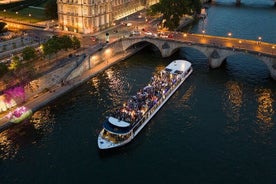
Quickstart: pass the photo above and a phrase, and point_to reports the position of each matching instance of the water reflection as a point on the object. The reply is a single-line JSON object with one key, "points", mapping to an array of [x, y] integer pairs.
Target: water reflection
{"points": [[8, 149], [233, 100], [43, 120], [28, 132], [118, 85], [95, 83], [265, 110], [186, 96]]}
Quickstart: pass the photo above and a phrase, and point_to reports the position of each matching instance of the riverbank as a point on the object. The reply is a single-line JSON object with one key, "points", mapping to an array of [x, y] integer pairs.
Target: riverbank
{"points": [[40, 100]]}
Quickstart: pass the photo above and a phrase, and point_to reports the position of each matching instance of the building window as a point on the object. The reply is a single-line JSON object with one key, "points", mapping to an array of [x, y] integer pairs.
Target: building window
{"points": [[84, 12]]}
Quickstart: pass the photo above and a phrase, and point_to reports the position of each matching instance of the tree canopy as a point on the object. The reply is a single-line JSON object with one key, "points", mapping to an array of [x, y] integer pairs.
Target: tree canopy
{"points": [[29, 53], [56, 44], [75, 43], [3, 69], [173, 10]]}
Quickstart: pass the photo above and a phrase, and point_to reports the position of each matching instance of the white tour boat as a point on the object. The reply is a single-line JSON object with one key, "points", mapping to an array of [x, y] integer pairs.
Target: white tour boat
{"points": [[121, 127]]}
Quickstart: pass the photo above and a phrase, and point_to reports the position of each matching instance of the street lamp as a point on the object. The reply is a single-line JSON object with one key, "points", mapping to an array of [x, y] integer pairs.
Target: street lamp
{"points": [[259, 40], [229, 34], [203, 32], [30, 15], [17, 15], [4, 13]]}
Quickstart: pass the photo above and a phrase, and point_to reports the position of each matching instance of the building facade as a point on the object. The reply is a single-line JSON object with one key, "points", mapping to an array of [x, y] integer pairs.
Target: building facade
{"points": [[89, 16]]}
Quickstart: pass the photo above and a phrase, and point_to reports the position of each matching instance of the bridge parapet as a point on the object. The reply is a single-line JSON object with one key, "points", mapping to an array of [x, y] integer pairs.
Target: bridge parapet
{"points": [[216, 49]]}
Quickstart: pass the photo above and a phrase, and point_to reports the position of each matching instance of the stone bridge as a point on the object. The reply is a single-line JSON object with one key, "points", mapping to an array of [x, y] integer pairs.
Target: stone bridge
{"points": [[215, 54]]}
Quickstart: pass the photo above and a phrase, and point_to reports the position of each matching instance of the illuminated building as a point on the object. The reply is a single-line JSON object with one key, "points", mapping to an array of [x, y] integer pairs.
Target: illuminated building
{"points": [[88, 16]]}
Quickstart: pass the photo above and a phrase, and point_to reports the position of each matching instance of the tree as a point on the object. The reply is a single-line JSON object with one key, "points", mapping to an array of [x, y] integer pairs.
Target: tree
{"points": [[173, 10], [3, 69], [51, 9], [14, 65], [3, 27], [76, 43], [51, 46], [55, 44], [29, 53], [65, 42]]}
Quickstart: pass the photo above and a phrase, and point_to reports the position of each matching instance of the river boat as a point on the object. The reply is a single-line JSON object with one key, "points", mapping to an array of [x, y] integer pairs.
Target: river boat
{"points": [[126, 122]]}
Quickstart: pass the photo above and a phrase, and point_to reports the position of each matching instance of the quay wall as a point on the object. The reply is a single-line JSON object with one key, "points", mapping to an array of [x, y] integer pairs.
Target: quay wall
{"points": [[93, 59]]}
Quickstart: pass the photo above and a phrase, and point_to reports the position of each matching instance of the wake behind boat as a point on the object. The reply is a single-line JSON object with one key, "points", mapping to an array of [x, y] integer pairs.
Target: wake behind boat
{"points": [[126, 122]]}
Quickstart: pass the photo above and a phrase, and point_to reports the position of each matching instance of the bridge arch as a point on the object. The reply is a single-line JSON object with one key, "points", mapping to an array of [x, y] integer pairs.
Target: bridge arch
{"points": [[216, 54], [240, 63], [269, 62], [144, 43]]}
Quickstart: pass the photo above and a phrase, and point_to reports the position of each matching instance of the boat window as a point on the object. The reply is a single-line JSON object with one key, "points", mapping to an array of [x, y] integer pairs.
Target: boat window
{"points": [[178, 72], [168, 70]]}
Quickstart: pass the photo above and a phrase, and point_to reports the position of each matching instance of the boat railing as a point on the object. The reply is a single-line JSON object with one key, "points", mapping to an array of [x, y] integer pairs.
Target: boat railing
{"points": [[155, 106]]}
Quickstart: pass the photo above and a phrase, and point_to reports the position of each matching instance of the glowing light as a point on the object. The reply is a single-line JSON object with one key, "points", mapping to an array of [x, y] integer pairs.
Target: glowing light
{"points": [[265, 109], [19, 111], [11, 98], [8, 148], [234, 100]]}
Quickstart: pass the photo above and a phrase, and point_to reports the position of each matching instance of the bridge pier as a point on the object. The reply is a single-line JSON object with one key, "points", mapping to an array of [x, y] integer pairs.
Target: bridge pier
{"points": [[215, 60], [215, 63], [273, 74], [272, 69]]}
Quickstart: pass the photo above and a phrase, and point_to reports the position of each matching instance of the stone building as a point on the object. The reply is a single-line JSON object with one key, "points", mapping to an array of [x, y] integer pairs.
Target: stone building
{"points": [[88, 16]]}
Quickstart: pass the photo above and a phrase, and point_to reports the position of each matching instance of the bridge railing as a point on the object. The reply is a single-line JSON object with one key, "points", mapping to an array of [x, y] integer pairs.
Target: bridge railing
{"points": [[253, 46], [257, 47]]}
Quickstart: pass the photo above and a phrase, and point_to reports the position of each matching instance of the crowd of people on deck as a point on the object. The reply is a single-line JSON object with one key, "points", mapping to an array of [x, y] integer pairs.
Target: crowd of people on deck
{"points": [[134, 109]]}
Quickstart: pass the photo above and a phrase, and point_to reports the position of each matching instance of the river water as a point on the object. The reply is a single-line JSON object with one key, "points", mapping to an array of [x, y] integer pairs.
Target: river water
{"points": [[219, 127]]}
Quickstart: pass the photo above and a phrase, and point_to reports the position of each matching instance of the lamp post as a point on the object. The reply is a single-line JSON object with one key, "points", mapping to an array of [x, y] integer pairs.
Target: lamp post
{"points": [[203, 32], [259, 40], [240, 43], [17, 15], [30, 17], [4, 13]]}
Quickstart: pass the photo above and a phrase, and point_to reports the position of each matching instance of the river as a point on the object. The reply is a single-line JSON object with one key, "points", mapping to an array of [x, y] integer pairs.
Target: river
{"points": [[219, 127]]}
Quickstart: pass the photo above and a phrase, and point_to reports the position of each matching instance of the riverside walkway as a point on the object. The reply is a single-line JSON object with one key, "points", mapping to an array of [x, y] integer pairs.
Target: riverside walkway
{"points": [[35, 103]]}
